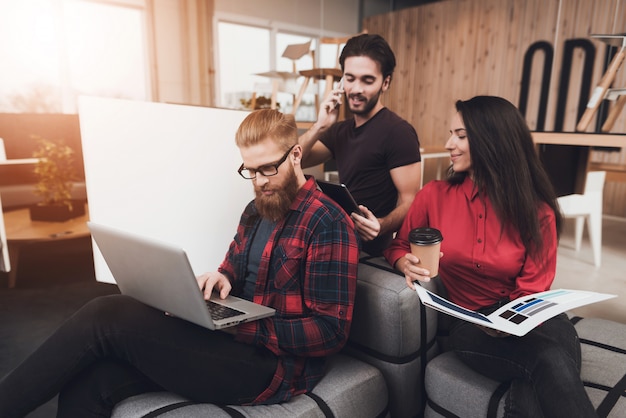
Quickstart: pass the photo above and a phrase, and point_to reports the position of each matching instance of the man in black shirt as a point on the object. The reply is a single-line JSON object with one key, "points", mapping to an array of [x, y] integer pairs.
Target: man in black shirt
{"points": [[376, 151]]}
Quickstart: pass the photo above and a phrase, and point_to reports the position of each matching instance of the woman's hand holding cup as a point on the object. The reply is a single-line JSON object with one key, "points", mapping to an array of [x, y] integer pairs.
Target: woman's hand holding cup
{"points": [[410, 266], [422, 263]]}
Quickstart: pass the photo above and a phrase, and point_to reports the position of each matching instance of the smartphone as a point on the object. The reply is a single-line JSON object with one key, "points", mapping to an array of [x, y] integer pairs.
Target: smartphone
{"points": [[340, 194], [340, 87]]}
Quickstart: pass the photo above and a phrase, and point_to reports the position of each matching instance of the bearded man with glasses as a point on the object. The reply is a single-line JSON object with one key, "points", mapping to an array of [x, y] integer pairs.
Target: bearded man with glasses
{"points": [[295, 250]]}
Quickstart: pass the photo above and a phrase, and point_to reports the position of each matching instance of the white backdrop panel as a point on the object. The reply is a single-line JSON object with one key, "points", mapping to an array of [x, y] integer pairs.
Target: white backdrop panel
{"points": [[164, 171]]}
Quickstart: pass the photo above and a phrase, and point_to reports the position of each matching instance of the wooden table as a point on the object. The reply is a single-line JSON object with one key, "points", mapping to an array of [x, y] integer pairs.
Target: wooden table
{"points": [[21, 231], [561, 168], [580, 139]]}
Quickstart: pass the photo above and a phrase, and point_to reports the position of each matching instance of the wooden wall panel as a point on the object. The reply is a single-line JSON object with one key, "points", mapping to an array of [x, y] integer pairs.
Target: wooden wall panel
{"points": [[615, 198], [457, 49]]}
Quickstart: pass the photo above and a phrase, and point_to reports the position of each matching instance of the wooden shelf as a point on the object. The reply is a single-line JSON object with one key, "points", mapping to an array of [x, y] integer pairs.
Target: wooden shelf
{"points": [[580, 138]]}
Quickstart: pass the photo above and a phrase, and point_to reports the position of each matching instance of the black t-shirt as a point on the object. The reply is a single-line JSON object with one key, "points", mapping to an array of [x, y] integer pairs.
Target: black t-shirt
{"points": [[365, 156]]}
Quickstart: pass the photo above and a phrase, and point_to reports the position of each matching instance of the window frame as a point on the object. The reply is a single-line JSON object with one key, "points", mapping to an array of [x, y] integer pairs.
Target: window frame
{"points": [[63, 83], [275, 28]]}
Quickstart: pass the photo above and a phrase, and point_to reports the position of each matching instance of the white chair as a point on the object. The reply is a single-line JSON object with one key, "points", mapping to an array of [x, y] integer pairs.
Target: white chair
{"points": [[587, 205], [283, 81], [5, 265]]}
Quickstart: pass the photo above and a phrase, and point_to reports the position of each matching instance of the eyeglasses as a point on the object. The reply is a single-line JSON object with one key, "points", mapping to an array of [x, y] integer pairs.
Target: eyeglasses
{"points": [[267, 170]]}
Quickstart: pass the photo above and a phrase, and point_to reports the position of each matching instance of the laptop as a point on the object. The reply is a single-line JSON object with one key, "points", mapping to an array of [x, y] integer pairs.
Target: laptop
{"points": [[340, 194], [160, 275]]}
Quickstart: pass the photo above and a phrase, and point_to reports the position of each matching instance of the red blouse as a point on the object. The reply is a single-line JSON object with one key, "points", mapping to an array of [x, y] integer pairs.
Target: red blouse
{"points": [[481, 263]]}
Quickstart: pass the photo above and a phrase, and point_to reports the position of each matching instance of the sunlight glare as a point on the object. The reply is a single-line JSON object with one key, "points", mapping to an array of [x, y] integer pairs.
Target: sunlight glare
{"points": [[33, 47]]}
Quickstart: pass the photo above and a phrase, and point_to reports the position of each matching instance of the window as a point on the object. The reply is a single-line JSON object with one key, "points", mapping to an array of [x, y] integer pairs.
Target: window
{"points": [[306, 110], [106, 50], [59, 49], [285, 39], [245, 49]]}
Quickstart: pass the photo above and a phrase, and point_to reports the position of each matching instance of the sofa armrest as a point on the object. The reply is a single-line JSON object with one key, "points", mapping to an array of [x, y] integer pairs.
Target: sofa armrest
{"points": [[392, 330]]}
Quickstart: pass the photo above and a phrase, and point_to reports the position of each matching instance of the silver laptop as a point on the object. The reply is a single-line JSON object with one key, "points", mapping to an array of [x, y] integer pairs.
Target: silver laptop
{"points": [[160, 275]]}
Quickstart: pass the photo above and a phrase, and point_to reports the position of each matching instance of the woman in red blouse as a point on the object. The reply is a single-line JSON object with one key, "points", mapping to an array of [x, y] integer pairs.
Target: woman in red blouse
{"points": [[500, 220]]}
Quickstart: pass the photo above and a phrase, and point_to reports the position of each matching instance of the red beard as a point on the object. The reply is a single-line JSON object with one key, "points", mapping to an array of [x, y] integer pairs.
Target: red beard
{"points": [[276, 206]]}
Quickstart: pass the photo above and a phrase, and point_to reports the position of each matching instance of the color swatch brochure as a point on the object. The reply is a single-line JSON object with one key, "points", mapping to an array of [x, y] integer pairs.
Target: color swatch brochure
{"points": [[521, 315]]}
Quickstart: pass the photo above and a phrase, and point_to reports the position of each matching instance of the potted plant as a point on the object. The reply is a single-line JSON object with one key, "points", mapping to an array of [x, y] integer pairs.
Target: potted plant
{"points": [[256, 103], [55, 174]]}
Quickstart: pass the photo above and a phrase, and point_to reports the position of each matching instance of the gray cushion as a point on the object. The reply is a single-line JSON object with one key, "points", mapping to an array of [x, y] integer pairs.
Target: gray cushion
{"points": [[457, 389], [393, 331], [350, 388], [603, 346], [454, 388]]}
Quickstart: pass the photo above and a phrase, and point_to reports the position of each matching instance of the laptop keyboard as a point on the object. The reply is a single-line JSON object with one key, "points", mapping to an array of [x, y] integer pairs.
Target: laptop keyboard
{"points": [[220, 311]]}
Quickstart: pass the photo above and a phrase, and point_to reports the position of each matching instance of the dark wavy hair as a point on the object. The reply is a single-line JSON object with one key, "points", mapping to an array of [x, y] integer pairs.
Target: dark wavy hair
{"points": [[506, 166], [372, 46]]}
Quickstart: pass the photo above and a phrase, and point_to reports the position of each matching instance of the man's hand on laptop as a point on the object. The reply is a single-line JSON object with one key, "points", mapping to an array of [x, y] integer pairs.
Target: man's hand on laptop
{"points": [[214, 281]]}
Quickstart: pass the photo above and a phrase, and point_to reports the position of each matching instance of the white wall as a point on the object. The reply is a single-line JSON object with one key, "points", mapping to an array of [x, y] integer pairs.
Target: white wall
{"points": [[165, 171]]}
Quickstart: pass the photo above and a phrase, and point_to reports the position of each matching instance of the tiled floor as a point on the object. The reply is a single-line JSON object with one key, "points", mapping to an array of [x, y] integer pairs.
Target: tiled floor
{"points": [[576, 270]]}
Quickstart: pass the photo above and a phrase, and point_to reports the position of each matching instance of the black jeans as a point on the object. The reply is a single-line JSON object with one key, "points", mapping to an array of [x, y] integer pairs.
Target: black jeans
{"points": [[115, 347], [547, 359]]}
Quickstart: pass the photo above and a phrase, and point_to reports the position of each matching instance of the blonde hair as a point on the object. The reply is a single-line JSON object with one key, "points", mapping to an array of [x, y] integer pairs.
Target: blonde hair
{"points": [[267, 123]]}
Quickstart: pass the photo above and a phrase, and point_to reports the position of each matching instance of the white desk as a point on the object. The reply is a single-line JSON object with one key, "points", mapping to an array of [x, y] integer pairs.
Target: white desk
{"points": [[19, 161], [5, 251]]}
